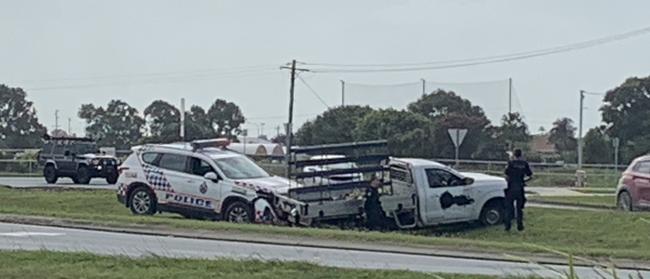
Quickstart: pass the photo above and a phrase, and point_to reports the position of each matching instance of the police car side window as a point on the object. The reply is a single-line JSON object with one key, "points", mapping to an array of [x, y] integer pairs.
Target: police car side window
{"points": [[200, 167], [173, 162], [150, 158]]}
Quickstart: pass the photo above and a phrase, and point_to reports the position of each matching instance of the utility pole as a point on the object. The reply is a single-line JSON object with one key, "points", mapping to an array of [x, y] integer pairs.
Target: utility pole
{"points": [[69, 126], [342, 93], [509, 95], [56, 119], [182, 129], [261, 129], [582, 98], [277, 131], [290, 122], [424, 87]]}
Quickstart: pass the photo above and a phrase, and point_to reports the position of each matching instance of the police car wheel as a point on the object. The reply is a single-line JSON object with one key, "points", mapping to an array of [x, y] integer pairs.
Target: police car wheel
{"points": [[142, 202], [50, 174], [83, 175], [238, 212]]}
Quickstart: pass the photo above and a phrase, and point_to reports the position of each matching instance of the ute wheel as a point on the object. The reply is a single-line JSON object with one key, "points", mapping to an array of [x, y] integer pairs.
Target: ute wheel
{"points": [[624, 201], [492, 213], [50, 174], [142, 202], [83, 175], [111, 178], [238, 212]]}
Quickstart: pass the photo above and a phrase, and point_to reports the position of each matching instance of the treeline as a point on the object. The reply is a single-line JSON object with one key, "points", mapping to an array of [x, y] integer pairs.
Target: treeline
{"points": [[420, 130]]}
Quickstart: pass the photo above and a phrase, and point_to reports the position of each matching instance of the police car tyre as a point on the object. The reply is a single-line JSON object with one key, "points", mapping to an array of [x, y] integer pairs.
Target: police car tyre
{"points": [[238, 212], [624, 201], [111, 178], [49, 172], [83, 175], [492, 213], [142, 202]]}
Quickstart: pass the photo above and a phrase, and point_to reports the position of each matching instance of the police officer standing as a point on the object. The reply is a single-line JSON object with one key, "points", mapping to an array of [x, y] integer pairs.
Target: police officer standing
{"points": [[517, 174]]}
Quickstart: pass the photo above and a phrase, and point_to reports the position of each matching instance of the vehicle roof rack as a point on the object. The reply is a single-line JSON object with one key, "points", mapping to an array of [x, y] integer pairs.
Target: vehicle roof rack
{"points": [[86, 139]]}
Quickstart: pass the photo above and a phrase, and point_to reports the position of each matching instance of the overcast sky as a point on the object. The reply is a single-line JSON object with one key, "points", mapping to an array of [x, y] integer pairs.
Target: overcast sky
{"points": [[67, 53]]}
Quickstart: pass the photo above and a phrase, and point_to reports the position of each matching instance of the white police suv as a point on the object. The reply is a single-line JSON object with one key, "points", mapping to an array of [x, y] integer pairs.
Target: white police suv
{"points": [[201, 179]]}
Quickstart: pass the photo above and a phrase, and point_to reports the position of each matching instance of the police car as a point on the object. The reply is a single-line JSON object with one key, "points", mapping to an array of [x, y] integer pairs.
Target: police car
{"points": [[201, 179]]}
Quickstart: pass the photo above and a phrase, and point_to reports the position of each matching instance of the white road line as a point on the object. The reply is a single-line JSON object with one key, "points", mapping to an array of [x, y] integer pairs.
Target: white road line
{"points": [[27, 234]]}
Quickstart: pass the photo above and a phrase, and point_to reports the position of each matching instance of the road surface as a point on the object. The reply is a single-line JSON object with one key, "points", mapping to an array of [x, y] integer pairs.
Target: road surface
{"points": [[31, 182], [28, 237]]}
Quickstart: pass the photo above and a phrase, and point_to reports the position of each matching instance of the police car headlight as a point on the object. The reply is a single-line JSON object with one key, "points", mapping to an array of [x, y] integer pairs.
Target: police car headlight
{"points": [[95, 162]]}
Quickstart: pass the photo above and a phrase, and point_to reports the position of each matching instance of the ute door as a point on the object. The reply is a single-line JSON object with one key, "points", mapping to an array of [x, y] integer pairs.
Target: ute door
{"points": [[447, 196], [206, 190]]}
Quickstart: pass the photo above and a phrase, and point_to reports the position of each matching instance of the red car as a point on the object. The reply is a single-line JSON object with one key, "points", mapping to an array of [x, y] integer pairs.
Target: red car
{"points": [[633, 191]]}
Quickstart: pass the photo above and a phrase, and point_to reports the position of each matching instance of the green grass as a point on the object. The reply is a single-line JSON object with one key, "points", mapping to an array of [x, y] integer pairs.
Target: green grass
{"points": [[600, 201], [615, 234], [26, 265]]}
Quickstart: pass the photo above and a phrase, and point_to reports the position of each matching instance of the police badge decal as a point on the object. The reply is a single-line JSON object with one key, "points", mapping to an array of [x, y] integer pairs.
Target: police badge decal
{"points": [[203, 188]]}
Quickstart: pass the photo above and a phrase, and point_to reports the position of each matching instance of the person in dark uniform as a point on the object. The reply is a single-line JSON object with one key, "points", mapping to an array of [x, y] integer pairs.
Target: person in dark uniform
{"points": [[517, 174], [375, 215]]}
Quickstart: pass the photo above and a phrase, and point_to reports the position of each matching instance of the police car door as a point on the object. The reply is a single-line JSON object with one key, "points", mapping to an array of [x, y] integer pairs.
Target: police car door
{"points": [[176, 179], [449, 195], [206, 191]]}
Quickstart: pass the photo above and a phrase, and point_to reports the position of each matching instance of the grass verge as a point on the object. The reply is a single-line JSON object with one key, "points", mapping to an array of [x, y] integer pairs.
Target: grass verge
{"points": [[23, 264], [594, 201], [583, 233]]}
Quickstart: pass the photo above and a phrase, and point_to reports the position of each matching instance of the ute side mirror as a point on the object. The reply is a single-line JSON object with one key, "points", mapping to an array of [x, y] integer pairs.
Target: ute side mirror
{"points": [[468, 181], [212, 177]]}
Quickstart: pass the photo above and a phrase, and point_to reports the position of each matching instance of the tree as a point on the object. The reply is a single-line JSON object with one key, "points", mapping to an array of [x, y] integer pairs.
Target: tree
{"points": [[225, 118], [448, 110], [19, 126], [408, 134], [562, 136], [514, 131], [119, 125], [597, 149], [197, 124], [333, 126], [627, 114], [164, 122]]}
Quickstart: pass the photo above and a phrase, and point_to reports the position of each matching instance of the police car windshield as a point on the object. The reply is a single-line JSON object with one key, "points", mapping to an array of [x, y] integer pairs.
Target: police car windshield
{"points": [[240, 168]]}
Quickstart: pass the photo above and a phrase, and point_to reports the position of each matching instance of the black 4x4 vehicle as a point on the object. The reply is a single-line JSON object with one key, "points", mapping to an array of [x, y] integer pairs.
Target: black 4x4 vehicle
{"points": [[77, 158]]}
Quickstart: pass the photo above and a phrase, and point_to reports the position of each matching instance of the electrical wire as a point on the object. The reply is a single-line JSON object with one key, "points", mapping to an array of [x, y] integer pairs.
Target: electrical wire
{"points": [[445, 64], [313, 92]]}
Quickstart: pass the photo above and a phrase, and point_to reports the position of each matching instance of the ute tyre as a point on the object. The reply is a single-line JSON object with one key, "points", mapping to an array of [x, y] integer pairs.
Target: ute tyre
{"points": [[83, 175], [142, 202], [624, 201], [50, 174], [238, 212], [111, 178], [492, 214]]}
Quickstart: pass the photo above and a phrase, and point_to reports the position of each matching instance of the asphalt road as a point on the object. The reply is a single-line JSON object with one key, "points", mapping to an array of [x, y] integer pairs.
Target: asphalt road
{"points": [[31, 182], [27, 237]]}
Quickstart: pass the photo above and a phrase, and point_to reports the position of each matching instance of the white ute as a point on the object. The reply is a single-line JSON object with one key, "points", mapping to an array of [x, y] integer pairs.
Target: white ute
{"points": [[427, 193]]}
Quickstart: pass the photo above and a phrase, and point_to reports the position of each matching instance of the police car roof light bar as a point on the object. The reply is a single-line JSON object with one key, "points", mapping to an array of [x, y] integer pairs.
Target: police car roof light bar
{"points": [[219, 143]]}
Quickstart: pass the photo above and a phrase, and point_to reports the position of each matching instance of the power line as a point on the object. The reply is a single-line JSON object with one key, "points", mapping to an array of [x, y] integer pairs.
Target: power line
{"points": [[444, 64], [313, 91]]}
